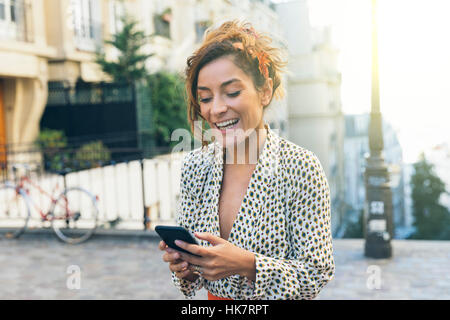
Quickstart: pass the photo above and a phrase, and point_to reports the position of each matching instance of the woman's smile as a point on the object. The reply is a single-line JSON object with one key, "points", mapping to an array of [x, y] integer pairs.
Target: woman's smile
{"points": [[229, 101], [226, 125]]}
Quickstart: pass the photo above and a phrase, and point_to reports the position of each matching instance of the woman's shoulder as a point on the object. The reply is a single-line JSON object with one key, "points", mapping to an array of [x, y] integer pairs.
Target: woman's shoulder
{"points": [[198, 158], [196, 164], [298, 162], [194, 169], [301, 165], [297, 156]]}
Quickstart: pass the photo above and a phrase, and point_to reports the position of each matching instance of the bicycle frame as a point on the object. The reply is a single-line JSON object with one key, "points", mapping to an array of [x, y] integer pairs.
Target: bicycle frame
{"points": [[24, 181], [74, 228]]}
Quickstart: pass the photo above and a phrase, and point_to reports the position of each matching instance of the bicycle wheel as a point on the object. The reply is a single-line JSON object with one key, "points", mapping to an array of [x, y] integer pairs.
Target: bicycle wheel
{"points": [[74, 215], [14, 211]]}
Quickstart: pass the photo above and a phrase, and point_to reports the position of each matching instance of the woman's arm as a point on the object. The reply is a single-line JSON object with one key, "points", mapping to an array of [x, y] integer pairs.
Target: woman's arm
{"points": [[310, 265]]}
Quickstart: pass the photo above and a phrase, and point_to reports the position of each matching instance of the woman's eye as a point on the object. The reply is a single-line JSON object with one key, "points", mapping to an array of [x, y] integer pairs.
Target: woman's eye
{"points": [[206, 100], [234, 94]]}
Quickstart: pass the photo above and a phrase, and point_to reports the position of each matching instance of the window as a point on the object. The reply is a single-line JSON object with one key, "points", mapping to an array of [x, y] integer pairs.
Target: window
{"points": [[2, 10], [162, 23], [200, 28], [14, 20], [116, 13], [87, 29], [12, 10], [82, 14], [8, 10]]}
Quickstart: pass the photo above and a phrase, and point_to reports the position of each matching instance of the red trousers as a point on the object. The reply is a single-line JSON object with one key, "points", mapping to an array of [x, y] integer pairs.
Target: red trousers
{"points": [[213, 297]]}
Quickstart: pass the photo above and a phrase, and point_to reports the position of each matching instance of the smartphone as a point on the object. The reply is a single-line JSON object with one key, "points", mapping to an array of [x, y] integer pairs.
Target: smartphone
{"points": [[171, 233]]}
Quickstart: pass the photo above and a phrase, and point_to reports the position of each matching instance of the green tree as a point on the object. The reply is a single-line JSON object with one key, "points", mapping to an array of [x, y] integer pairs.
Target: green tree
{"points": [[51, 139], [92, 154], [169, 106], [53, 144], [130, 64], [432, 220]]}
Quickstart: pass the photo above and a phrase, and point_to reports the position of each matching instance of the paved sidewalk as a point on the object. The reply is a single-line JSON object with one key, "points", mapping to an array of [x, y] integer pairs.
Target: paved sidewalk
{"points": [[417, 270], [38, 267]]}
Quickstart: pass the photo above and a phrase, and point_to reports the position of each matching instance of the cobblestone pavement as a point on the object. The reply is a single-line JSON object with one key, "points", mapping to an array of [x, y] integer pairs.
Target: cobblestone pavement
{"points": [[123, 269]]}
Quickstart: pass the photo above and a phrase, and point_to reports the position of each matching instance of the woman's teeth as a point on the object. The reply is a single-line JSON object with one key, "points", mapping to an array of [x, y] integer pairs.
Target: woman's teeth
{"points": [[227, 124]]}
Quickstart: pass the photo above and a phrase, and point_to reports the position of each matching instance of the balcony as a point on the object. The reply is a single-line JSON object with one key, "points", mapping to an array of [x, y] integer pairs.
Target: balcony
{"points": [[16, 20]]}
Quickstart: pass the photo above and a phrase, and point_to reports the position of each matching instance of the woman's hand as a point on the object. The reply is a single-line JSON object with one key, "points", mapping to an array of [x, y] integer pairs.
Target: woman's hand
{"points": [[177, 265], [221, 260]]}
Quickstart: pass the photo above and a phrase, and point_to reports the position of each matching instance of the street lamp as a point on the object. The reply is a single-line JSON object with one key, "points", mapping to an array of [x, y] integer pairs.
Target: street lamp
{"points": [[378, 227]]}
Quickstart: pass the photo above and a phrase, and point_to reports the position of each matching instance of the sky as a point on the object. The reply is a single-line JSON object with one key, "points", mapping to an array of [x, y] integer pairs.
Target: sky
{"points": [[414, 59]]}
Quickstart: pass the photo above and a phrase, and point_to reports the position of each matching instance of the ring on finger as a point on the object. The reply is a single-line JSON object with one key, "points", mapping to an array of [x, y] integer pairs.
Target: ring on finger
{"points": [[198, 270]]}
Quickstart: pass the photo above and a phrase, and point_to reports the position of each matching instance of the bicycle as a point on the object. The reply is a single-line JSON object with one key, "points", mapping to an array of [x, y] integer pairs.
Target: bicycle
{"points": [[73, 213]]}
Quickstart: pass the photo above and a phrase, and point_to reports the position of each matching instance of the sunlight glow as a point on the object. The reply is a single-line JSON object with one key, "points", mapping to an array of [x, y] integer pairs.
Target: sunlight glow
{"points": [[414, 51]]}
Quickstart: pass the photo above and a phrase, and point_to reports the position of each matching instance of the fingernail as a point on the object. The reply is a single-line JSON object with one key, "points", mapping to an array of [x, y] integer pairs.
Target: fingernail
{"points": [[179, 242]]}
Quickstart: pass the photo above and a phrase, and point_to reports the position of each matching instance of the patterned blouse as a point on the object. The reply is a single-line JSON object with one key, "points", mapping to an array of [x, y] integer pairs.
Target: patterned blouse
{"points": [[284, 219]]}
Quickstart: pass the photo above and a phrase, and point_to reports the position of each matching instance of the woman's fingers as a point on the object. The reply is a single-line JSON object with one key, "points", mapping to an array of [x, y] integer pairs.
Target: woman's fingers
{"points": [[192, 259], [176, 265], [171, 257], [192, 248], [162, 246], [183, 274], [179, 267]]}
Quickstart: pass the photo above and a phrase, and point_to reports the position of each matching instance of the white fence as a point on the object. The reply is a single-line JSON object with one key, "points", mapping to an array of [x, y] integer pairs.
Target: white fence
{"points": [[120, 191]]}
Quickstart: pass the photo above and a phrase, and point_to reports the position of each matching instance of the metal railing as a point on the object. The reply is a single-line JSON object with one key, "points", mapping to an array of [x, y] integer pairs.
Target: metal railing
{"points": [[62, 93]]}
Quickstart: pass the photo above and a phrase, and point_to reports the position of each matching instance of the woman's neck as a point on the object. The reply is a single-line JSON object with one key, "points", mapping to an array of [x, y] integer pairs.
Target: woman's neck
{"points": [[248, 151]]}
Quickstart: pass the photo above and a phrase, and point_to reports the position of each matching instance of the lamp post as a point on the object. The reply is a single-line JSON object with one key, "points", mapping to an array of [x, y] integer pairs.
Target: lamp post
{"points": [[378, 227]]}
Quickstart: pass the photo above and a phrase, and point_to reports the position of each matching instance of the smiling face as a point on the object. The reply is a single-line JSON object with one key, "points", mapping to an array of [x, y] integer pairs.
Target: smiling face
{"points": [[226, 94]]}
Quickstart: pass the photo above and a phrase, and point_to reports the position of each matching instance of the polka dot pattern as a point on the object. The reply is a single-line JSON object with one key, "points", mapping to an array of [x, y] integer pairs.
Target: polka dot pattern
{"points": [[284, 220]]}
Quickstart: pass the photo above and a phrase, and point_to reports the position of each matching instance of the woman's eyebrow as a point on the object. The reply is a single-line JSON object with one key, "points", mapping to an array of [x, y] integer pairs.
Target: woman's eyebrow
{"points": [[222, 85]]}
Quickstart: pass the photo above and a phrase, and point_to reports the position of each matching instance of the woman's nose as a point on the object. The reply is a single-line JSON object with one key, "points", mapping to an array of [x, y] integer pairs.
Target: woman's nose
{"points": [[218, 108]]}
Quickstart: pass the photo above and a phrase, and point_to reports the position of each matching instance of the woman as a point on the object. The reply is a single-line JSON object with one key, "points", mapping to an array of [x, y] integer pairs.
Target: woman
{"points": [[262, 218]]}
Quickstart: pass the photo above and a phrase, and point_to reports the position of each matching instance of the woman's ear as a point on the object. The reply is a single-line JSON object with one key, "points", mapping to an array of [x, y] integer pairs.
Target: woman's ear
{"points": [[267, 92]]}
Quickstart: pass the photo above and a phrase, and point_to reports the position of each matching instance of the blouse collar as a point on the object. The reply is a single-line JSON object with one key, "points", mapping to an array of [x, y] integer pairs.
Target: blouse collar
{"points": [[266, 166]]}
